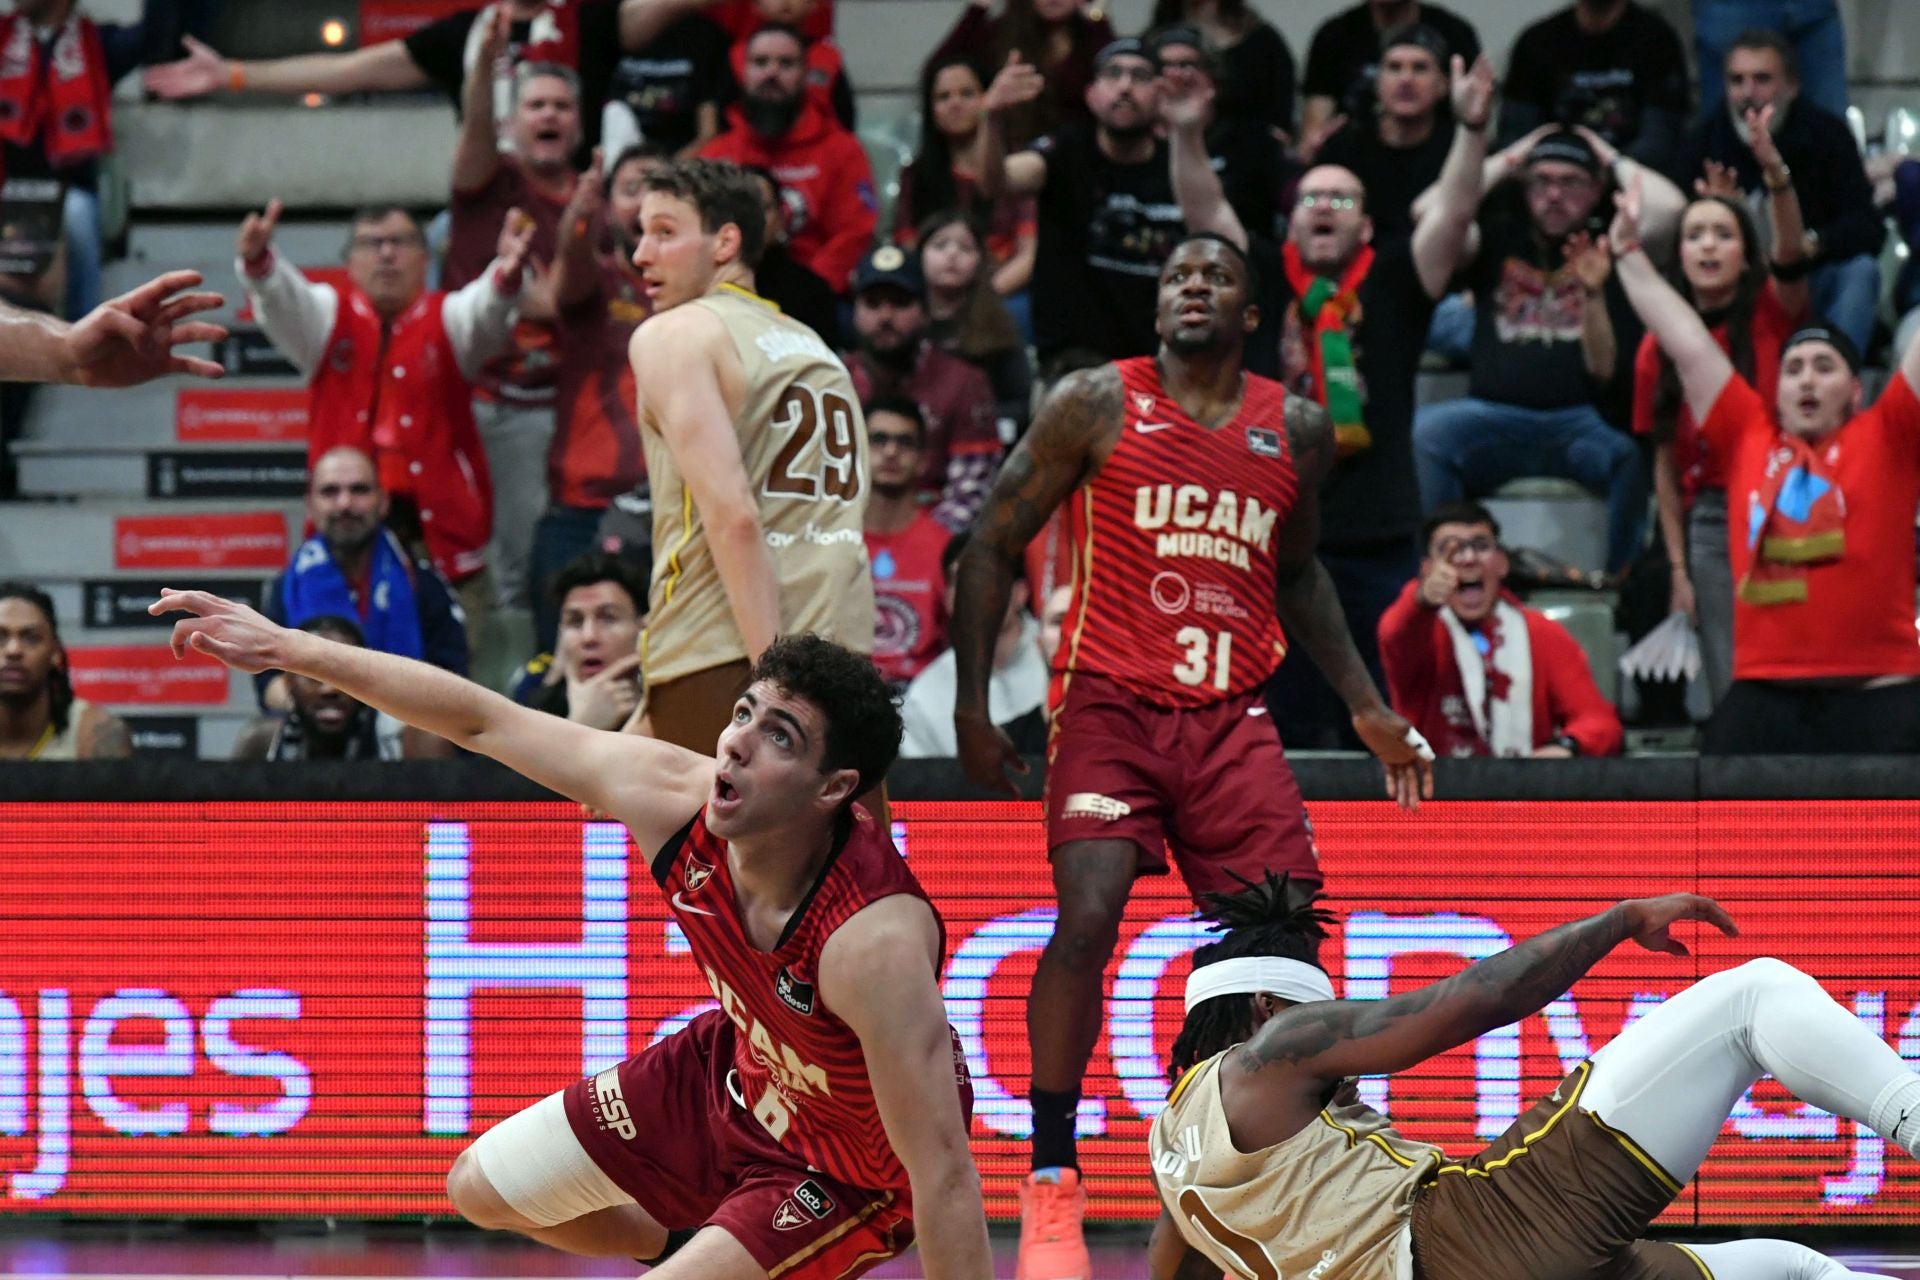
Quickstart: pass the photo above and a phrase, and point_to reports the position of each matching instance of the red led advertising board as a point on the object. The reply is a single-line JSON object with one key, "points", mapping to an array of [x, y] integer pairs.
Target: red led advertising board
{"points": [[274, 1009]]}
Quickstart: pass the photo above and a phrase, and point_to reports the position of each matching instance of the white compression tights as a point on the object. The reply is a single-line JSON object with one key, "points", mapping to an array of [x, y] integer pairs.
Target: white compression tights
{"points": [[1670, 1080], [1772, 1260]]}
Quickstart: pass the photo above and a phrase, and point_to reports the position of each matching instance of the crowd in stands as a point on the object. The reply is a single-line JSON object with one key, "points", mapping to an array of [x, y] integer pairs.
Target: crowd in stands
{"points": [[1410, 203]]}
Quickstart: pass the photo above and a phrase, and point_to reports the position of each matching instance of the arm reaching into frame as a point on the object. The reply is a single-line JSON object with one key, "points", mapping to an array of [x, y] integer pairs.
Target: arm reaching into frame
{"points": [[123, 342]]}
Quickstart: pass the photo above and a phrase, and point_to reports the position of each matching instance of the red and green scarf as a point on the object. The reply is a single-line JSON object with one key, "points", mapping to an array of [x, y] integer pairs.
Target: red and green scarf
{"points": [[61, 101], [1795, 519], [1329, 313]]}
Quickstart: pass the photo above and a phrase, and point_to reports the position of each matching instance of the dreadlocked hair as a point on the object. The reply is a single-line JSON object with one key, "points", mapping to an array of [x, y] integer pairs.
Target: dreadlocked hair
{"points": [[1260, 920]]}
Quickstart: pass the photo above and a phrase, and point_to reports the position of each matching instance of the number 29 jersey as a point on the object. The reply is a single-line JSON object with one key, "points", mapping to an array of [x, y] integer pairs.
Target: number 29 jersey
{"points": [[1173, 548], [804, 446]]}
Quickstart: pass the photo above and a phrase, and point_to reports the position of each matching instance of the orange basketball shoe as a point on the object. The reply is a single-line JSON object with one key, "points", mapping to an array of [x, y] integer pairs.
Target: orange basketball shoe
{"points": [[1052, 1247]]}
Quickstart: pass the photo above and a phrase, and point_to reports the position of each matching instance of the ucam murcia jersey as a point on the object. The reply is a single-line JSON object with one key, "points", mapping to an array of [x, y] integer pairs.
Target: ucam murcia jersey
{"points": [[799, 1069], [1173, 548]]}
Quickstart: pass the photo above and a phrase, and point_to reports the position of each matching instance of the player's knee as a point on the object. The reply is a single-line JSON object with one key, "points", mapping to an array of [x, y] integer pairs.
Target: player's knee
{"points": [[474, 1197], [1768, 973], [1084, 940]]}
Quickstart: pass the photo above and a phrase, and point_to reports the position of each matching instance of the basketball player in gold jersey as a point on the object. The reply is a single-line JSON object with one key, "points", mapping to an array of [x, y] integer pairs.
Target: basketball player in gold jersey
{"points": [[1269, 1164], [756, 457]]}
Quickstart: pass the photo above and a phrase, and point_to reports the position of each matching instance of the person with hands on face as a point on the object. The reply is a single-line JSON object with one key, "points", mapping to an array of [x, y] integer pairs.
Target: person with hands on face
{"points": [[1270, 1163], [123, 342], [358, 345], [768, 865], [1476, 671], [1193, 485], [593, 675], [1752, 299], [1821, 495]]}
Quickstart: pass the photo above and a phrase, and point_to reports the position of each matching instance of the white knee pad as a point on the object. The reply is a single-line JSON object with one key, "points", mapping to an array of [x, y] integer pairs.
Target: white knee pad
{"points": [[539, 1167]]}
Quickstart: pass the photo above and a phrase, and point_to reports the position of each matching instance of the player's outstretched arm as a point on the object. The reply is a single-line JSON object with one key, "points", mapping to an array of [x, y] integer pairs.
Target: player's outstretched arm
{"points": [[1300, 1051], [676, 372], [652, 787], [1310, 610], [1071, 435], [123, 342], [880, 972]]}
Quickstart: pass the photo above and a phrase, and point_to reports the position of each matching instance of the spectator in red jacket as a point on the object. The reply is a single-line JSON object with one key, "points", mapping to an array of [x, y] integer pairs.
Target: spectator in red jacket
{"points": [[1475, 670], [823, 171], [904, 544]]}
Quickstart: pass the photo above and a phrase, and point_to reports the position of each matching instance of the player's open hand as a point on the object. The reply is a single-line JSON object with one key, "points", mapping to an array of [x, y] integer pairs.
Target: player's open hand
{"points": [[1408, 758], [132, 338], [987, 753], [224, 629], [1649, 920]]}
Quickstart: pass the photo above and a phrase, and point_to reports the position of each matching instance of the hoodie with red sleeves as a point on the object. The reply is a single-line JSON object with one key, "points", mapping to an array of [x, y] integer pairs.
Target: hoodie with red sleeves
{"points": [[827, 183], [1424, 685]]}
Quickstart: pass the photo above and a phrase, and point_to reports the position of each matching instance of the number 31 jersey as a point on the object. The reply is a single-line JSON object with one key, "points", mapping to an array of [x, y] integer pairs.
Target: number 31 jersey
{"points": [[1173, 548], [804, 445]]}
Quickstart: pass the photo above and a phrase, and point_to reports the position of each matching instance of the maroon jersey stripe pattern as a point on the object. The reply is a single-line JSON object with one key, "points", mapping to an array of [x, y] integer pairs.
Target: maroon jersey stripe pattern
{"points": [[800, 1070], [1173, 548]]}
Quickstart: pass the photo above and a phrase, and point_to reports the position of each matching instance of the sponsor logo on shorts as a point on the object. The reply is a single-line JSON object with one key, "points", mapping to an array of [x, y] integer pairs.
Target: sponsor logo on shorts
{"points": [[1090, 804], [610, 1108], [813, 1198], [788, 1217], [795, 994]]}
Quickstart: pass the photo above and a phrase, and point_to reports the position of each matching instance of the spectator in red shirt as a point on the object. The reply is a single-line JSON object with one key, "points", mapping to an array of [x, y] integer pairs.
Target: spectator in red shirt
{"points": [[822, 168], [904, 543], [1476, 671], [1821, 504], [599, 299], [895, 357], [1723, 271], [514, 403]]}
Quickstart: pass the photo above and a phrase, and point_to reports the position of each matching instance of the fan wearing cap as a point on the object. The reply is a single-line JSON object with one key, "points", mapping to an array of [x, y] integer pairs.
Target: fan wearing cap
{"points": [[1344, 58], [1250, 161], [893, 357], [1820, 530], [1551, 358], [1399, 152], [1107, 212], [1271, 1159]]}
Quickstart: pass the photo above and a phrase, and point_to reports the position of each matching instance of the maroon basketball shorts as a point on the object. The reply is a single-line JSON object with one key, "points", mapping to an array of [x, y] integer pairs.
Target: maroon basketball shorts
{"points": [[1209, 784], [684, 1146]]}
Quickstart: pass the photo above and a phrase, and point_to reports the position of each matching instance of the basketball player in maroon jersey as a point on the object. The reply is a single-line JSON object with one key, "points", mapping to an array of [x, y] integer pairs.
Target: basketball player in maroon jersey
{"points": [[1193, 509], [817, 1121]]}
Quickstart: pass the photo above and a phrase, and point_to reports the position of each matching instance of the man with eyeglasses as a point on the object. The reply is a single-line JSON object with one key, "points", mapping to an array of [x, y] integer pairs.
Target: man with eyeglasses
{"points": [[904, 544], [390, 366], [1344, 318], [1108, 217], [1476, 671], [1550, 362]]}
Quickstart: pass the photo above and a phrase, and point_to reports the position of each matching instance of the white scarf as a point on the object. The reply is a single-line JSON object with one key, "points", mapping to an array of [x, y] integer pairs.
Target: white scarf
{"points": [[1505, 724]]}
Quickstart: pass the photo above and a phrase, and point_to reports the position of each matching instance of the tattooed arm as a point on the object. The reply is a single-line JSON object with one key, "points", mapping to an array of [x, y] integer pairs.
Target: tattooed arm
{"points": [[1071, 436], [1311, 613], [1275, 1083]]}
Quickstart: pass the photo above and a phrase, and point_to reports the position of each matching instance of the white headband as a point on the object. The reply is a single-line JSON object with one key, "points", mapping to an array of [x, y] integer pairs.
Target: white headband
{"points": [[1289, 979]]}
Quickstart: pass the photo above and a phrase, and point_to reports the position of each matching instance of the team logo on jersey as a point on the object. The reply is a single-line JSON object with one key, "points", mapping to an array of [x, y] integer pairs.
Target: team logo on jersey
{"points": [[1142, 403], [698, 873], [788, 1217], [813, 1198], [1264, 441], [1090, 804], [795, 994]]}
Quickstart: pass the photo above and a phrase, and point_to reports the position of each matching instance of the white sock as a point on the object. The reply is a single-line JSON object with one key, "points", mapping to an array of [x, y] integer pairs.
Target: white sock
{"points": [[1771, 1260], [1895, 1114]]}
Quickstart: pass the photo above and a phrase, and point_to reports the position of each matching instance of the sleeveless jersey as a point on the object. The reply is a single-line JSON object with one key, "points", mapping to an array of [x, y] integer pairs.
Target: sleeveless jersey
{"points": [[804, 444], [800, 1069], [1173, 559], [1334, 1201]]}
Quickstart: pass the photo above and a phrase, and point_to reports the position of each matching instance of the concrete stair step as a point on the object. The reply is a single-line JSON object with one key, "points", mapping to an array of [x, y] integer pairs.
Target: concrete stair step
{"points": [[186, 473]]}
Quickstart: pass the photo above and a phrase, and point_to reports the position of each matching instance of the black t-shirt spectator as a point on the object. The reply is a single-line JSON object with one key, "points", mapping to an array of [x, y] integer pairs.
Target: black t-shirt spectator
{"points": [[1393, 176], [665, 83], [1628, 83], [1345, 55], [1836, 199], [439, 49], [1371, 497], [1253, 167], [800, 293], [1256, 80], [1527, 321], [1105, 229]]}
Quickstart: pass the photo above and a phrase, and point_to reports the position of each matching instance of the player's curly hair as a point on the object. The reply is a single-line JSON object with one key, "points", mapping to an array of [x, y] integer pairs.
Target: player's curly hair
{"points": [[1260, 920], [863, 721], [724, 193], [59, 686]]}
